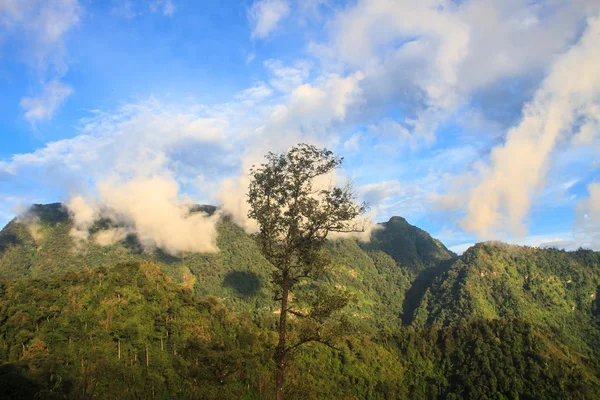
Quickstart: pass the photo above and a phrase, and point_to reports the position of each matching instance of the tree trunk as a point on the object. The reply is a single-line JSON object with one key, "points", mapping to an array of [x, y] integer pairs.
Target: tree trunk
{"points": [[119, 347], [146, 354], [280, 352]]}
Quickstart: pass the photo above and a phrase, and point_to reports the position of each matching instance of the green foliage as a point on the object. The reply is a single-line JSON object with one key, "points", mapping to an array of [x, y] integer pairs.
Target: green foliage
{"points": [[497, 322], [408, 245], [295, 215]]}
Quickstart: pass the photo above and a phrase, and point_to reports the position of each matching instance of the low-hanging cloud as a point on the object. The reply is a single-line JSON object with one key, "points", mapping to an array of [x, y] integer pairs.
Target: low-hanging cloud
{"points": [[149, 207], [84, 214], [152, 205]]}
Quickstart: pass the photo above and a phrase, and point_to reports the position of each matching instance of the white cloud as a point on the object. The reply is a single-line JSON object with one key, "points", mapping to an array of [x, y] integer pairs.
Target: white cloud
{"points": [[287, 78], [44, 25], [408, 199], [258, 92], [153, 207], [390, 127], [516, 171], [378, 194], [431, 57], [352, 145], [84, 214], [265, 16], [307, 114], [171, 155], [43, 107]]}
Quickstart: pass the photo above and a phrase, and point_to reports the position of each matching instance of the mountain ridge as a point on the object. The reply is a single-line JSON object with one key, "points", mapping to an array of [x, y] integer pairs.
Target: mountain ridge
{"points": [[527, 320]]}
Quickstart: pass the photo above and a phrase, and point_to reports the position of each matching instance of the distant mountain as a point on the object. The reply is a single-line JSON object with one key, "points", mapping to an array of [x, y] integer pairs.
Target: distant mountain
{"points": [[551, 288], [408, 245], [79, 320], [38, 244]]}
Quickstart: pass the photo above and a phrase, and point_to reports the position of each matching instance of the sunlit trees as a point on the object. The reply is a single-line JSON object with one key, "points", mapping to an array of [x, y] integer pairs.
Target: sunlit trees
{"points": [[296, 209]]}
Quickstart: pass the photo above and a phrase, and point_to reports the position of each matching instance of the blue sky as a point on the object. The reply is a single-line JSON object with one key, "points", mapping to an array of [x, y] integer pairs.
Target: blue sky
{"points": [[475, 120]]}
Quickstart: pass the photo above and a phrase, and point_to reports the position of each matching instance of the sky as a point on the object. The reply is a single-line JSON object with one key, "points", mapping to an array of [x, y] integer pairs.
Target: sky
{"points": [[475, 120]]}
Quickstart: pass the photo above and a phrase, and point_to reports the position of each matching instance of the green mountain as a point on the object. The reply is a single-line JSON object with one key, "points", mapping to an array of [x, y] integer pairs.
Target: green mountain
{"points": [[78, 320], [408, 245]]}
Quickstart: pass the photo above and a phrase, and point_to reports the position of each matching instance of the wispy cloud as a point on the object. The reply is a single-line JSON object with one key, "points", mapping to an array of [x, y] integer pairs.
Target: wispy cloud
{"points": [[43, 107], [287, 77], [167, 7], [266, 15], [44, 25], [516, 171]]}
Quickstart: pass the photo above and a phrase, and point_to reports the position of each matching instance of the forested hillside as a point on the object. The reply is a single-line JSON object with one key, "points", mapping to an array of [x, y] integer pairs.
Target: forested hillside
{"points": [[79, 320]]}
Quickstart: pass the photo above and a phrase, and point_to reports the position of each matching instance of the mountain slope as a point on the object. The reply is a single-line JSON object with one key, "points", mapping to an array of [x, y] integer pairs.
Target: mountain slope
{"points": [[553, 289], [408, 245], [378, 273], [77, 320]]}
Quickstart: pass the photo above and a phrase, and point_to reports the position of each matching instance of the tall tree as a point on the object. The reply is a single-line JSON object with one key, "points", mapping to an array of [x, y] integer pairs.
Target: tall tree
{"points": [[296, 211]]}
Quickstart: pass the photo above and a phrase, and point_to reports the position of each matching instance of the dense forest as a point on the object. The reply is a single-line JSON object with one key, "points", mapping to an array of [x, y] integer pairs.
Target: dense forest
{"points": [[82, 321]]}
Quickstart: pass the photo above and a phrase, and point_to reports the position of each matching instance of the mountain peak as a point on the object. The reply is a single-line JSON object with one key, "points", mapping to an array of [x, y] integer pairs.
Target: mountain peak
{"points": [[408, 245]]}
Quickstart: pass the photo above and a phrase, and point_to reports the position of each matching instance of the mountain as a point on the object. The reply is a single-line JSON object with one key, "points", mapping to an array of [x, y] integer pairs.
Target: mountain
{"points": [[80, 320], [408, 245], [553, 289]]}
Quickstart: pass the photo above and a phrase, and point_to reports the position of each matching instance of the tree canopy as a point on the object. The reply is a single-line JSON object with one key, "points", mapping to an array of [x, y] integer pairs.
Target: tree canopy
{"points": [[296, 206]]}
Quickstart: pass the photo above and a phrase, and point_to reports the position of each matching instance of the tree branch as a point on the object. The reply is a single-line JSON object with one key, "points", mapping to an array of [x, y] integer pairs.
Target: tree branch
{"points": [[311, 340]]}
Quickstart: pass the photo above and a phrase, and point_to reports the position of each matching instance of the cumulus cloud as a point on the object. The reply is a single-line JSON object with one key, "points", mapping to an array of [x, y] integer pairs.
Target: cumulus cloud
{"points": [[516, 171], [142, 165], [427, 61], [307, 114], [145, 150], [265, 16], [258, 92], [352, 145], [138, 139], [432, 57]]}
